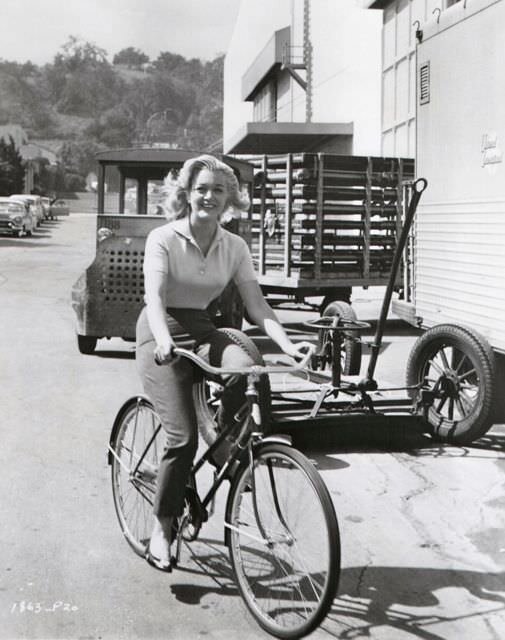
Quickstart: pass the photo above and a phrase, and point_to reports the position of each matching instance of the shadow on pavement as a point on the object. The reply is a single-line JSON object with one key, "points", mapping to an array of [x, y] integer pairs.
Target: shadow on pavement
{"points": [[388, 596], [394, 598], [407, 434]]}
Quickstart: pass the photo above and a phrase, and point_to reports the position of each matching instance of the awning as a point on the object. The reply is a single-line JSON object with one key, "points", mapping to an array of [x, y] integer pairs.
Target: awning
{"points": [[291, 137]]}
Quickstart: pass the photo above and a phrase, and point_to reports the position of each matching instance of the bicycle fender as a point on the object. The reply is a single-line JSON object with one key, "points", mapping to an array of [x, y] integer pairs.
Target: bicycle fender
{"points": [[278, 438], [117, 421]]}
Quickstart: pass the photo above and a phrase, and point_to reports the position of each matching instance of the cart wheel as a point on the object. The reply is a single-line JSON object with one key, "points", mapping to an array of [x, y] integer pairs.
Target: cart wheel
{"points": [[457, 363], [351, 346], [206, 393], [86, 344], [342, 294]]}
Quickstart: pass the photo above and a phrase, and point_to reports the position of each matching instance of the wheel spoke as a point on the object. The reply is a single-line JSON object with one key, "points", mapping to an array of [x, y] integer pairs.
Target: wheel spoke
{"points": [[461, 362], [461, 409], [466, 401], [441, 404], [467, 373], [443, 357], [451, 409], [437, 368]]}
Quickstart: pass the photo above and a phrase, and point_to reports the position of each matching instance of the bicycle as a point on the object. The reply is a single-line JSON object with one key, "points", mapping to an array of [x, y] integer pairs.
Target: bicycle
{"points": [[280, 525]]}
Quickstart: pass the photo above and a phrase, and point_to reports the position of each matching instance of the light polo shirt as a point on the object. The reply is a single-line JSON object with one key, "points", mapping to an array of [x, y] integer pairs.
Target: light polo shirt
{"points": [[193, 280]]}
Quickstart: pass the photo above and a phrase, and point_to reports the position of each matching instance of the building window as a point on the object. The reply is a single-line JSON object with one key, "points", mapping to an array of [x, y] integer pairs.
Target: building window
{"points": [[265, 109]]}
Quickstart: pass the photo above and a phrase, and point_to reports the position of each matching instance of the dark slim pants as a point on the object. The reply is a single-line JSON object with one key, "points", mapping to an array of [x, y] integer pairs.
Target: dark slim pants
{"points": [[170, 389]]}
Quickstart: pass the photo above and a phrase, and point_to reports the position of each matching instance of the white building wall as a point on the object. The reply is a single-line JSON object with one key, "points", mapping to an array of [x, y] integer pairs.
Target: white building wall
{"points": [[346, 43], [347, 70], [257, 21]]}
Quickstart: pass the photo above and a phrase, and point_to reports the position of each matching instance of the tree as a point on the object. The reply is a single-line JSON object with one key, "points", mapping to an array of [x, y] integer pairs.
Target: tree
{"points": [[81, 81], [79, 157], [12, 172], [79, 54], [131, 57]]}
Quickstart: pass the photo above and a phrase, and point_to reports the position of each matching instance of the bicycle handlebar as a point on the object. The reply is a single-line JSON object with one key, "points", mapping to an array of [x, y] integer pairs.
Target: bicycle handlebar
{"points": [[254, 369]]}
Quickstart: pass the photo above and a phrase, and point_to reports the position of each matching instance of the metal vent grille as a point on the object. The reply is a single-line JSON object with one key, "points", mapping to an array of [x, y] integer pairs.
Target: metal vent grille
{"points": [[424, 83], [122, 277]]}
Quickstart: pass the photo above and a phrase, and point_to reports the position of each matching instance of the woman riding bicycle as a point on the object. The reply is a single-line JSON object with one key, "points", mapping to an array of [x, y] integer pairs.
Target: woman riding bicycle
{"points": [[187, 265]]}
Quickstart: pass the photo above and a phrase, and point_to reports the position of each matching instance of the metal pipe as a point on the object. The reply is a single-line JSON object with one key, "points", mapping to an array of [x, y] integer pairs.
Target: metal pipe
{"points": [[418, 187]]}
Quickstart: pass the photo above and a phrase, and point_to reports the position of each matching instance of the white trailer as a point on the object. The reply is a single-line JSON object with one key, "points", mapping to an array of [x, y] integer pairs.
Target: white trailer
{"points": [[455, 283]]}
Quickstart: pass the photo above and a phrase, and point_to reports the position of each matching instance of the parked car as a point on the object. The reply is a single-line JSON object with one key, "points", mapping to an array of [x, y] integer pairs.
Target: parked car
{"points": [[35, 204], [59, 208], [16, 217], [46, 207]]}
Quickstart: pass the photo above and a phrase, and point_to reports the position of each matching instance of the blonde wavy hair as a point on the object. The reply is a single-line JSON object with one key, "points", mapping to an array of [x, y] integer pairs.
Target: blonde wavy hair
{"points": [[176, 203]]}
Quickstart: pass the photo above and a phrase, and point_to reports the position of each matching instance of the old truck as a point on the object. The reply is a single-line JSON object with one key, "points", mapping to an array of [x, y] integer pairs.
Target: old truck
{"points": [[108, 296]]}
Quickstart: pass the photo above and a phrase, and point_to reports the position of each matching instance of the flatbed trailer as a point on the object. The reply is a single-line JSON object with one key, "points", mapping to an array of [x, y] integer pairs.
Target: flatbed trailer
{"points": [[322, 223]]}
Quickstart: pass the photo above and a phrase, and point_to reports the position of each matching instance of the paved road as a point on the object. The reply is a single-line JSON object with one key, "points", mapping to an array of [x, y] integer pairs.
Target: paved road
{"points": [[422, 525]]}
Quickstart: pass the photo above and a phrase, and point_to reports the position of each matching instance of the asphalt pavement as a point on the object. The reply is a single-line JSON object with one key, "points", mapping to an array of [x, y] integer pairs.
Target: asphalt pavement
{"points": [[422, 524]]}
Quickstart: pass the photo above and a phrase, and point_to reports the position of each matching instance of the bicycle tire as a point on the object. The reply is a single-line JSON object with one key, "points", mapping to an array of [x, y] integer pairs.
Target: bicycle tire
{"points": [[133, 495], [287, 592]]}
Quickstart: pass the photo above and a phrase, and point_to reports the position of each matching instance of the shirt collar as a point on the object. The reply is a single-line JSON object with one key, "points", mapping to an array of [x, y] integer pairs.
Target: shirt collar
{"points": [[181, 226]]}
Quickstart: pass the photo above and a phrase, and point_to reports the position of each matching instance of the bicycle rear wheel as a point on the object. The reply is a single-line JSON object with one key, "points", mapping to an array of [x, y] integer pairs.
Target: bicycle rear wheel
{"points": [[285, 551], [133, 484]]}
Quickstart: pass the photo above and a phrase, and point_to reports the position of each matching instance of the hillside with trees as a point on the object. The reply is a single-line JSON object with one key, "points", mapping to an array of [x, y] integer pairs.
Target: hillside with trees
{"points": [[82, 103]]}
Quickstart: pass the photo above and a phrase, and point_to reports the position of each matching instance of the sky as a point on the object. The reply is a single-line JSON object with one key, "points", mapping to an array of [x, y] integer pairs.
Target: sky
{"points": [[36, 29]]}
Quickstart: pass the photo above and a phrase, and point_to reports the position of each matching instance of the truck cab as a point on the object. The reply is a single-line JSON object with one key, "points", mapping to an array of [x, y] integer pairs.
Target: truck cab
{"points": [[108, 297]]}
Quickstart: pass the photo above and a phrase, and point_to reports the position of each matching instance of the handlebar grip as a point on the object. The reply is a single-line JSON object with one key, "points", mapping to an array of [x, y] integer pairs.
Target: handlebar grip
{"points": [[160, 362]]}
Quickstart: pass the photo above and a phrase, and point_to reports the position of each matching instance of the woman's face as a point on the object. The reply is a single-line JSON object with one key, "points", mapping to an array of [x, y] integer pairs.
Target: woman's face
{"points": [[209, 194]]}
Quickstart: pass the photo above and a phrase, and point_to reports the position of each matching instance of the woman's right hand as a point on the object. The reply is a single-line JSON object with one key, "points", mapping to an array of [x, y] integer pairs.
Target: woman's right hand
{"points": [[164, 352]]}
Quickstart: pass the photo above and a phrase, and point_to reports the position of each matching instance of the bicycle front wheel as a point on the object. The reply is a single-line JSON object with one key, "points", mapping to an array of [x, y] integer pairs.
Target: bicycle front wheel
{"points": [[137, 447], [284, 541]]}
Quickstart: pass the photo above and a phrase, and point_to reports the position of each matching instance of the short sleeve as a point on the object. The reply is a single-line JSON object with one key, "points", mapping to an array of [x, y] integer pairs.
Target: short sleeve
{"points": [[245, 269], [155, 254]]}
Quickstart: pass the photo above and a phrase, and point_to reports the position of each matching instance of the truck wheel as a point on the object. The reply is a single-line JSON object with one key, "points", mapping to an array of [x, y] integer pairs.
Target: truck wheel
{"points": [[456, 363], [206, 393], [86, 344], [350, 359]]}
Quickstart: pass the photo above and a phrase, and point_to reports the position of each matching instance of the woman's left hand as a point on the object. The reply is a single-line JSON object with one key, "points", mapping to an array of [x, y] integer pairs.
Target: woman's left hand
{"points": [[298, 350]]}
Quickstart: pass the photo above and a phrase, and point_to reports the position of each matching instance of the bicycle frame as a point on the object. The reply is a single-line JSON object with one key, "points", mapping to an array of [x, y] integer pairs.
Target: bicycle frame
{"points": [[247, 423]]}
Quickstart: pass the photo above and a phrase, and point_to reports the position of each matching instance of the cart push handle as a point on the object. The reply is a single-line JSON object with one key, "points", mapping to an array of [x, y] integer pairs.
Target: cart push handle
{"points": [[418, 187]]}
